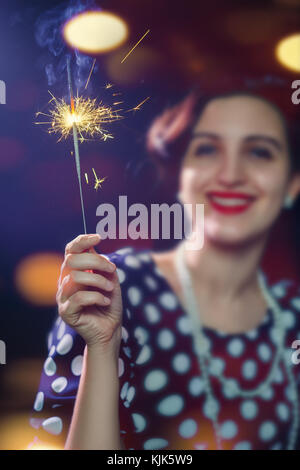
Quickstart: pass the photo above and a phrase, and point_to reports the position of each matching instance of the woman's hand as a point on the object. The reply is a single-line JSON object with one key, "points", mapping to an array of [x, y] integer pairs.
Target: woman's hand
{"points": [[89, 295]]}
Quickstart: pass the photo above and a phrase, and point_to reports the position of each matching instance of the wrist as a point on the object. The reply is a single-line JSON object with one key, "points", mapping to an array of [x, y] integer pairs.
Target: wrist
{"points": [[109, 348]]}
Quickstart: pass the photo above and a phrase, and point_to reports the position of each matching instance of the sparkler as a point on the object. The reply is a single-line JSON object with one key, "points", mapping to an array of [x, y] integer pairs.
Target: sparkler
{"points": [[75, 140], [83, 118]]}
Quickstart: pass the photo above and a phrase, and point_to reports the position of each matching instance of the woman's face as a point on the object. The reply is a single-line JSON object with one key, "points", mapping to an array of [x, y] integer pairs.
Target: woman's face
{"points": [[237, 165]]}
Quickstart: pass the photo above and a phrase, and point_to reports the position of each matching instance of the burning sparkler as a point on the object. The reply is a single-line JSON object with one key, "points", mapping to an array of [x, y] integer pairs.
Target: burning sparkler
{"points": [[84, 119]]}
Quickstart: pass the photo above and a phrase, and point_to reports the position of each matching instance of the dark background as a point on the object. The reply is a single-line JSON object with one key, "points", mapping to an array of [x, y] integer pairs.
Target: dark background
{"points": [[189, 43]]}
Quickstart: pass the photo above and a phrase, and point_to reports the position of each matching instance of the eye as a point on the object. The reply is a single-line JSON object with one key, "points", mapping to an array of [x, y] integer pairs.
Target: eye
{"points": [[261, 152], [205, 149]]}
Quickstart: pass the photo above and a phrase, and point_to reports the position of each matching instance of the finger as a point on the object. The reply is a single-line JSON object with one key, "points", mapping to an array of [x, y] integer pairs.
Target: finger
{"points": [[78, 301], [78, 279], [82, 243], [84, 261]]}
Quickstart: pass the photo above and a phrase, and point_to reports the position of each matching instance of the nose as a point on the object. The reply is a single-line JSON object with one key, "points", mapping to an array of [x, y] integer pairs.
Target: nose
{"points": [[231, 171]]}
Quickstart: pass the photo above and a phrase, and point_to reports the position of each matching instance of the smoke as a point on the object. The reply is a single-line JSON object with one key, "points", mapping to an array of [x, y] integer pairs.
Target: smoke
{"points": [[48, 34]]}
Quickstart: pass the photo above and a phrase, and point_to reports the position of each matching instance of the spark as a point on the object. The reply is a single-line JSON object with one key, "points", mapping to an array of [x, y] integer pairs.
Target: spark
{"points": [[88, 115], [118, 102], [131, 50], [92, 68], [86, 178], [138, 106], [98, 181], [108, 85]]}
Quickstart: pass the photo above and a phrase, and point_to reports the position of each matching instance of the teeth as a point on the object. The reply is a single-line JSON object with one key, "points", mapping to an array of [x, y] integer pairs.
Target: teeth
{"points": [[230, 202]]}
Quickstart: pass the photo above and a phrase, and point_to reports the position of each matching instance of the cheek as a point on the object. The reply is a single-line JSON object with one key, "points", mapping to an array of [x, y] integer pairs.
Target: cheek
{"points": [[271, 184], [192, 180]]}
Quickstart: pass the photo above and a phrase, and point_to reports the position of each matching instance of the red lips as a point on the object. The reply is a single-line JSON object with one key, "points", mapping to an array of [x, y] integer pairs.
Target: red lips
{"points": [[230, 210]]}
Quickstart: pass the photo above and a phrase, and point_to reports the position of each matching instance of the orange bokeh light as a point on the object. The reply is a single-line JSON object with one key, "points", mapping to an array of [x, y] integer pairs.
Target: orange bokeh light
{"points": [[36, 277]]}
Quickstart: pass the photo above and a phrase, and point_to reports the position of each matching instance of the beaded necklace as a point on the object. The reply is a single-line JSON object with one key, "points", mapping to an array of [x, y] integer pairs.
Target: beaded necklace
{"points": [[204, 357]]}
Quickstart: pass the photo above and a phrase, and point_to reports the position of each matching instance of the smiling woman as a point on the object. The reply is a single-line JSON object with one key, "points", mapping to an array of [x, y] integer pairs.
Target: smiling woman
{"points": [[186, 349]]}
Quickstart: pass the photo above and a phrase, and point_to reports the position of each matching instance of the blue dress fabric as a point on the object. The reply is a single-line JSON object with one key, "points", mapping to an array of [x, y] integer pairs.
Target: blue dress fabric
{"points": [[162, 401]]}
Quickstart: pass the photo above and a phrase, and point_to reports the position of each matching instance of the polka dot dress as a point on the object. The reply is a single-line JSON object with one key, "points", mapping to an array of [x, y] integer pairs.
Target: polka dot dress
{"points": [[162, 401]]}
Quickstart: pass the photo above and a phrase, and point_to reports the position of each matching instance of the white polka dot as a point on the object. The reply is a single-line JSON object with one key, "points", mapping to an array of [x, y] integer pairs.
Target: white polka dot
{"points": [[171, 405], [76, 365], [120, 367], [248, 409], [132, 261], [276, 335], [125, 334], [130, 393], [249, 369], [211, 408], [267, 393], [58, 321], [65, 345], [236, 347], [53, 425], [61, 330], [152, 313], [216, 366], [59, 384], [121, 275], [196, 386], [264, 352], [282, 411], [168, 300], [276, 446], [49, 366], [228, 429], [39, 401], [150, 282], [181, 363], [155, 380], [267, 431], [139, 422], [141, 335], [184, 325], [279, 290], [296, 303], [188, 428], [230, 388], [155, 443], [50, 338], [52, 351], [288, 319], [290, 393], [144, 257], [252, 334], [243, 445], [144, 355], [165, 339], [124, 390], [134, 295], [278, 376]]}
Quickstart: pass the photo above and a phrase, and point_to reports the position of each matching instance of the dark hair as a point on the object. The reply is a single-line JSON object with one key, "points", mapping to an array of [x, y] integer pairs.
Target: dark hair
{"points": [[170, 133]]}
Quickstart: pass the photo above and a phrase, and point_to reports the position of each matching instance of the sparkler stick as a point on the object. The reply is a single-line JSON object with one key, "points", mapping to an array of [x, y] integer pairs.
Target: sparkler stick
{"points": [[75, 140]]}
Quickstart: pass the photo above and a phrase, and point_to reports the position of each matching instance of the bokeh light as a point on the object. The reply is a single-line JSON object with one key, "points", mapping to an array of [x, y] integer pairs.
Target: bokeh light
{"points": [[288, 52], [95, 31], [36, 278]]}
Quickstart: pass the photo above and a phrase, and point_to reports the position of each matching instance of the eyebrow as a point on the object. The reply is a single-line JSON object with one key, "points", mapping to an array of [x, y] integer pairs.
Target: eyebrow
{"points": [[250, 138]]}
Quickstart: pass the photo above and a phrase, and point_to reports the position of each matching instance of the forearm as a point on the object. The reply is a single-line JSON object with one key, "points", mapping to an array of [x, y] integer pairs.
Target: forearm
{"points": [[95, 421]]}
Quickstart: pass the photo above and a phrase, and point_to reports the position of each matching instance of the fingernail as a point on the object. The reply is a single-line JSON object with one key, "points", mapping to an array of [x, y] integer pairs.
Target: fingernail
{"points": [[94, 236], [112, 267], [106, 300]]}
